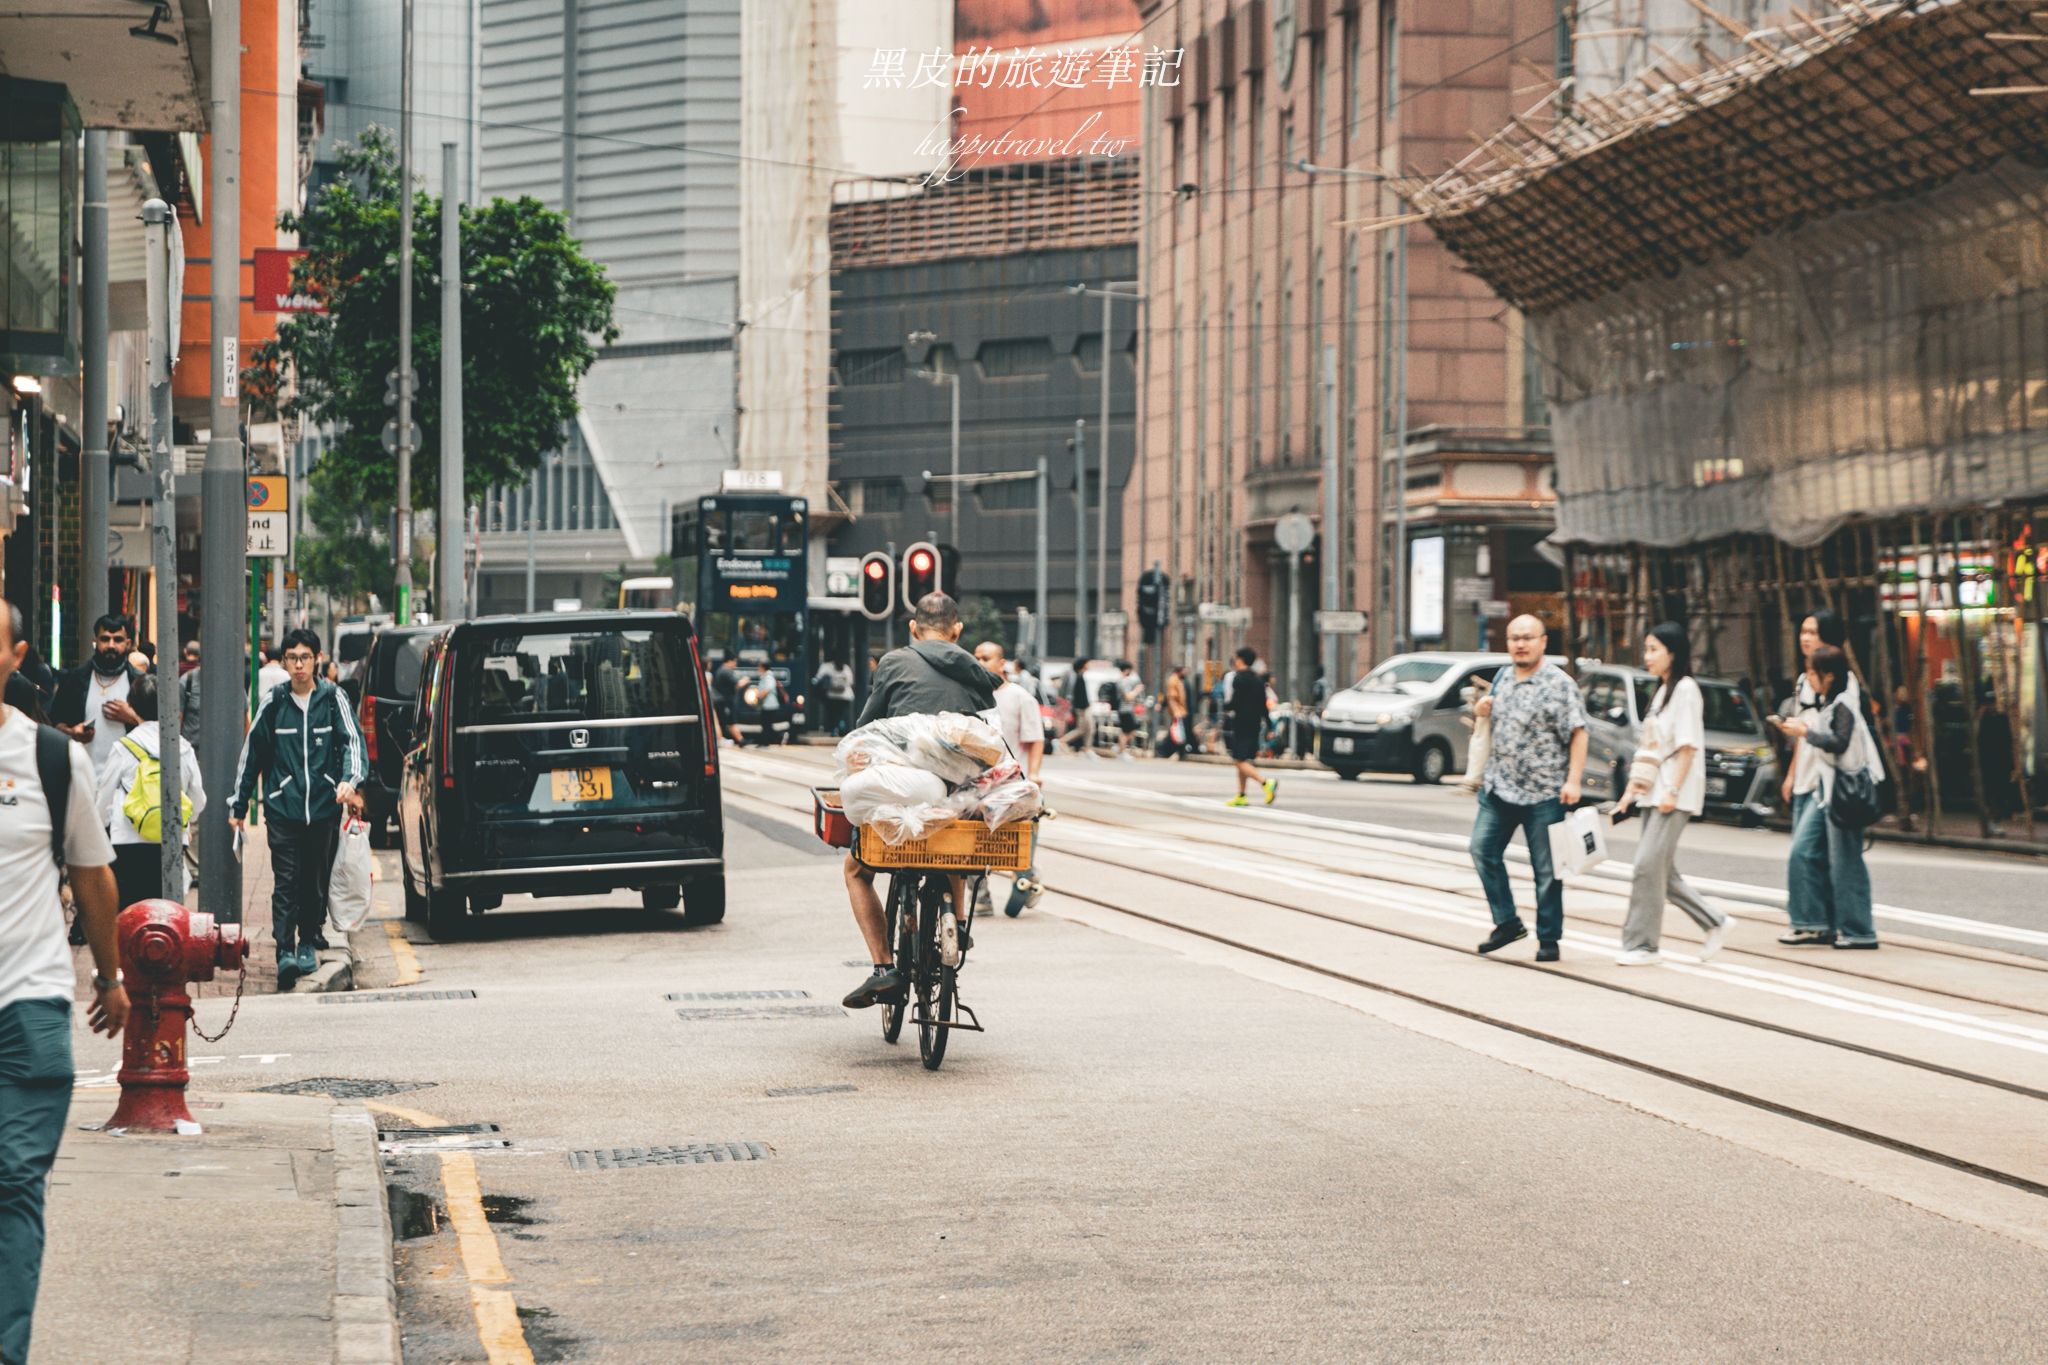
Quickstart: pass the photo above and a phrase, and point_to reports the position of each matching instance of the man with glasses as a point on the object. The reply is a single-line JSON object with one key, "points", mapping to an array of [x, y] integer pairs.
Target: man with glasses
{"points": [[306, 748]]}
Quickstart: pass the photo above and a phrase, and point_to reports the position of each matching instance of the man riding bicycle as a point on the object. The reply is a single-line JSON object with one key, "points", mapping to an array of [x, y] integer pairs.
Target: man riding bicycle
{"points": [[929, 675]]}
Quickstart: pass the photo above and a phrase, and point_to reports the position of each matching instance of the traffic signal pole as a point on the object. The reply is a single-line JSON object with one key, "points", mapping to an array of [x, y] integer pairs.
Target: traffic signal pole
{"points": [[403, 595], [223, 487], [449, 602]]}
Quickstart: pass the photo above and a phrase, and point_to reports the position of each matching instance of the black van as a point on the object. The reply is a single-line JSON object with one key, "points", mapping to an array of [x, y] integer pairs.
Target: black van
{"points": [[390, 677], [562, 755]]}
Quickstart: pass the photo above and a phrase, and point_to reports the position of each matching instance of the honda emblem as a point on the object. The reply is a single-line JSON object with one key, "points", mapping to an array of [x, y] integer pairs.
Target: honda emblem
{"points": [[579, 739]]}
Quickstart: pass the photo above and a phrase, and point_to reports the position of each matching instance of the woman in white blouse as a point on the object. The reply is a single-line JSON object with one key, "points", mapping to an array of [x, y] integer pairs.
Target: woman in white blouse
{"points": [[1674, 735]]}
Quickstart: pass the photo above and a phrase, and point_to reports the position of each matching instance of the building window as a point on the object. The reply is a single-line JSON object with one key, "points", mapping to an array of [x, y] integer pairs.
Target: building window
{"points": [[1319, 107], [1229, 139], [1257, 340], [1315, 360], [1017, 357], [38, 185], [1254, 130], [1284, 335], [1354, 88], [881, 496], [1020, 495], [884, 366], [1388, 286], [1390, 51]]}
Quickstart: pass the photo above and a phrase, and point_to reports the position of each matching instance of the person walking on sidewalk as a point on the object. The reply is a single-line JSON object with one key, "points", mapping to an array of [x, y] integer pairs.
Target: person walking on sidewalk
{"points": [[1828, 883], [137, 761], [1244, 726], [1675, 738], [1023, 729], [46, 820], [305, 746], [1180, 724], [91, 704], [1531, 780], [1807, 907]]}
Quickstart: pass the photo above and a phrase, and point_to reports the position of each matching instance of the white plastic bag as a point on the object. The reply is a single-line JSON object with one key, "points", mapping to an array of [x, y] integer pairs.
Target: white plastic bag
{"points": [[1578, 842], [888, 787], [348, 890]]}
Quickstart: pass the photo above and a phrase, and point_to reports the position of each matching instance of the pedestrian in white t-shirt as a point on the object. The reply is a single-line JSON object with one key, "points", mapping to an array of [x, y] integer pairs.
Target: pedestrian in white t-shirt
{"points": [[1675, 734], [36, 974], [1023, 729]]}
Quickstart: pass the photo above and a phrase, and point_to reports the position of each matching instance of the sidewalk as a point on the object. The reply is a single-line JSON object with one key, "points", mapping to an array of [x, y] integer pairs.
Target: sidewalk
{"points": [[337, 964], [266, 1238]]}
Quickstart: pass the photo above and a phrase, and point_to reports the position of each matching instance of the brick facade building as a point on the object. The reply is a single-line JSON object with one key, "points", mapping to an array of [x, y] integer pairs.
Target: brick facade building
{"points": [[1253, 266]]}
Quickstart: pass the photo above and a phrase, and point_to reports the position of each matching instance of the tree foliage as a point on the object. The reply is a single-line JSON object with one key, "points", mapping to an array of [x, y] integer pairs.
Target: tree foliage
{"points": [[534, 312]]}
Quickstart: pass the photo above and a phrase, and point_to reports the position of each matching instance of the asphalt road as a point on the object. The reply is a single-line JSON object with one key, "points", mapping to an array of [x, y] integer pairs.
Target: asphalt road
{"points": [[2001, 888], [1157, 1151]]}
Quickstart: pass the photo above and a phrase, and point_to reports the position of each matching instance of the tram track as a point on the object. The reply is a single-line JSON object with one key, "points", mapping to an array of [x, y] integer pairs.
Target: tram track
{"points": [[1736, 1094]]}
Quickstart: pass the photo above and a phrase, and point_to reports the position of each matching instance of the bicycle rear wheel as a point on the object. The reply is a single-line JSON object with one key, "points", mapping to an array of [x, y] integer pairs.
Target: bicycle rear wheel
{"points": [[902, 922], [934, 981]]}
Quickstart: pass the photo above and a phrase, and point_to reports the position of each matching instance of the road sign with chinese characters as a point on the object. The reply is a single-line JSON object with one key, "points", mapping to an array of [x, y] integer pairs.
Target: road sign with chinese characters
{"points": [[270, 522]]}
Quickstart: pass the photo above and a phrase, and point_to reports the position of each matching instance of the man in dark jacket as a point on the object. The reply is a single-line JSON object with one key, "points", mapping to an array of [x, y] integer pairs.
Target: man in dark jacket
{"points": [[91, 704], [929, 675], [305, 746]]}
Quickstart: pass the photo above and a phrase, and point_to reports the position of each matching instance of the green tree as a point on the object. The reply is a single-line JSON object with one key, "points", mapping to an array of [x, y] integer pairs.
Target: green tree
{"points": [[534, 312], [981, 619]]}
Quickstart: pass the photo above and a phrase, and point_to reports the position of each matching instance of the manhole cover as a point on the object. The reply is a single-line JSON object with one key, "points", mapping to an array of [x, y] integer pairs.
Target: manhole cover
{"points": [[384, 997], [342, 1088], [719, 1013], [741, 995], [407, 1133], [446, 1142], [691, 1154], [789, 1090]]}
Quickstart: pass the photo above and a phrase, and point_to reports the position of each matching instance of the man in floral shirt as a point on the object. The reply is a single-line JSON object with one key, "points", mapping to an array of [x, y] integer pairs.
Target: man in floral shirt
{"points": [[1531, 780]]}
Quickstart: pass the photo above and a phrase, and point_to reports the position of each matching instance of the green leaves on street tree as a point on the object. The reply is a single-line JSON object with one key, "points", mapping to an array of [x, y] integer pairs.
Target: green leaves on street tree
{"points": [[534, 312]]}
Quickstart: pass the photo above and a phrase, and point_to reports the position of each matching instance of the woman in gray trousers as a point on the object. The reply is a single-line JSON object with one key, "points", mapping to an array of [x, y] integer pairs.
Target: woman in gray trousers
{"points": [[1674, 736]]}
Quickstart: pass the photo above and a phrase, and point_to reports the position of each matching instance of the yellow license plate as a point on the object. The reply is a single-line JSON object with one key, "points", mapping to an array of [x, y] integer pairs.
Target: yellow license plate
{"points": [[581, 784]]}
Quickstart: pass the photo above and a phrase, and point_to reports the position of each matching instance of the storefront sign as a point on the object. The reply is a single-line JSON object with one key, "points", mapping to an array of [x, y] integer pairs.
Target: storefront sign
{"points": [[1426, 588], [272, 271]]}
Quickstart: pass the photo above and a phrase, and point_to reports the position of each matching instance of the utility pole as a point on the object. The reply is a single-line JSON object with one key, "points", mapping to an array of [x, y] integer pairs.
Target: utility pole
{"points": [[1044, 573], [156, 220], [224, 488], [1333, 531], [405, 381], [1111, 291], [953, 503], [451, 604], [94, 493], [1080, 444], [531, 555], [1401, 440]]}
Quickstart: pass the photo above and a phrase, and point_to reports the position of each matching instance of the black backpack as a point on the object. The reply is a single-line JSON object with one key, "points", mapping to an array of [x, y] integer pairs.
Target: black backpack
{"points": [[53, 769]]}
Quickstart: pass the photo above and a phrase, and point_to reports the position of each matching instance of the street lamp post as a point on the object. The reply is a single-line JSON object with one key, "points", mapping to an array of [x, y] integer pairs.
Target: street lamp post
{"points": [[1042, 475], [938, 375], [1400, 349], [1109, 294]]}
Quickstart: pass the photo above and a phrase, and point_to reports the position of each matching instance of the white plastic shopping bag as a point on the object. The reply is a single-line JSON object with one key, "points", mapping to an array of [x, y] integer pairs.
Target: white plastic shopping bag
{"points": [[1578, 842], [348, 892]]}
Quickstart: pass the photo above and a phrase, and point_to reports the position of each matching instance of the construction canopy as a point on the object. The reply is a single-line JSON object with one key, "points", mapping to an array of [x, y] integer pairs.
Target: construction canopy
{"points": [[1800, 286]]}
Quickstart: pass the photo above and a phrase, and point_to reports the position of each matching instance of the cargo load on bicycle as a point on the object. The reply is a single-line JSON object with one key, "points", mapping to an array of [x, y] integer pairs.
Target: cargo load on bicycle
{"points": [[934, 791]]}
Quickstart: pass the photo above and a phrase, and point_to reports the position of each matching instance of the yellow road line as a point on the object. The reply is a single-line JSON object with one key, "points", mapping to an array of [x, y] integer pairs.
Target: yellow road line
{"points": [[497, 1314], [401, 952]]}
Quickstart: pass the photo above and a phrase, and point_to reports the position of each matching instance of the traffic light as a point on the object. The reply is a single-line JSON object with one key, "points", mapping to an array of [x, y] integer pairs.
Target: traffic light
{"points": [[1152, 604], [920, 573], [877, 585]]}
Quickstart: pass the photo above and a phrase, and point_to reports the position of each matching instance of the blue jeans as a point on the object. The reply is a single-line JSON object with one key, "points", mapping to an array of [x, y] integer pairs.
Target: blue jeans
{"points": [[35, 1097], [1827, 884], [1492, 829]]}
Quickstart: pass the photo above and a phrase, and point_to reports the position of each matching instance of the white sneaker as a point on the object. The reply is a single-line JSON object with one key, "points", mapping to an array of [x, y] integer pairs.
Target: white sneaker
{"points": [[1639, 957], [1716, 936]]}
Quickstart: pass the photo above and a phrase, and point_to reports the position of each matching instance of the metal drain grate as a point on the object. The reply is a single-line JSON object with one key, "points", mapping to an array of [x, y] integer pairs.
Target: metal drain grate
{"points": [[342, 1088], [740, 995], [385, 997], [691, 1154], [720, 1013], [406, 1132], [789, 1090]]}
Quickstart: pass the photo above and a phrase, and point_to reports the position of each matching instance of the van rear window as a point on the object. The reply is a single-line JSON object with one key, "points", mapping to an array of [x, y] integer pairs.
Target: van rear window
{"points": [[581, 675], [398, 665]]}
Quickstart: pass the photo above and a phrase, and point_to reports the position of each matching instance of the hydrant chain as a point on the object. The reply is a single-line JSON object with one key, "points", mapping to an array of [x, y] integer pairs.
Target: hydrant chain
{"points": [[240, 981]]}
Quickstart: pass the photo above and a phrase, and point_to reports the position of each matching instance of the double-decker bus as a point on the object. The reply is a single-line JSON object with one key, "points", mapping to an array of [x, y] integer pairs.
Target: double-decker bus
{"points": [[751, 586]]}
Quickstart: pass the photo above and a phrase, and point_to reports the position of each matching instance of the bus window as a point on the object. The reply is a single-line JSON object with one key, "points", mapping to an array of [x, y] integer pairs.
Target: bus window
{"points": [[754, 532]]}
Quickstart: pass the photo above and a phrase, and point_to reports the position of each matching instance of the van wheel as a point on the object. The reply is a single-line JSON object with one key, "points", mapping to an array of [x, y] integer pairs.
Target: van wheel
{"points": [[1432, 763], [661, 897], [1347, 774], [447, 912], [415, 903], [704, 901]]}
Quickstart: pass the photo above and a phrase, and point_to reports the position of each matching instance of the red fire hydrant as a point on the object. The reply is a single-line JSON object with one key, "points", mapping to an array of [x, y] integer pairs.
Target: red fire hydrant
{"points": [[163, 946]]}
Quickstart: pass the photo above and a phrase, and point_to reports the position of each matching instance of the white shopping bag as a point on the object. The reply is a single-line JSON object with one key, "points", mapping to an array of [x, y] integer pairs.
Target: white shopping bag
{"points": [[1578, 842], [348, 892]]}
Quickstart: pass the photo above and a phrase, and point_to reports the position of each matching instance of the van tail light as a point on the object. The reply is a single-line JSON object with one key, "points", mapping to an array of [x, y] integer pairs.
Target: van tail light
{"points": [[704, 718], [368, 716], [446, 691]]}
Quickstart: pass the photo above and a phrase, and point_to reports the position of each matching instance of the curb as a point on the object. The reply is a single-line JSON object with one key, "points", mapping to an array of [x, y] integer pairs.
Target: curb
{"points": [[336, 972], [365, 1278]]}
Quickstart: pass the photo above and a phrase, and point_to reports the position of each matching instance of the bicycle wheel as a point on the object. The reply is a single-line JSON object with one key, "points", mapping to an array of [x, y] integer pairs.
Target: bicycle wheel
{"points": [[934, 983], [902, 921]]}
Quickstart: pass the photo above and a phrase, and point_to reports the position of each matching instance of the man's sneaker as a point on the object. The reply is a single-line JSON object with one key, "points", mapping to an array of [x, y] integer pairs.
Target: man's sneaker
{"points": [[1716, 936], [1127, 756], [1546, 952], [1855, 943], [1272, 789], [309, 960], [1807, 938], [1503, 935], [884, 983], [1639, 957], [287, 969], [1237, 800]]}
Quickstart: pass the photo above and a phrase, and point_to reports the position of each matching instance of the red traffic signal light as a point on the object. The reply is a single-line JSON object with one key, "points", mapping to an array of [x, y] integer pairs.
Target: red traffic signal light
{"points": [[877, 586], [920, 573]]}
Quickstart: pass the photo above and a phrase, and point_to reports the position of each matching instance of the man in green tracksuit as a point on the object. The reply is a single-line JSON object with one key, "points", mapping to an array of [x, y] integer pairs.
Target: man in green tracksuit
{"points": [[305, 746]]}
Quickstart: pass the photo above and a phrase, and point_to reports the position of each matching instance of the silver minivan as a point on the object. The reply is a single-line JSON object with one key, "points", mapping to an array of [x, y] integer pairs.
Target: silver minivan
{"points": [[1741, 765], [1404, 717]]}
